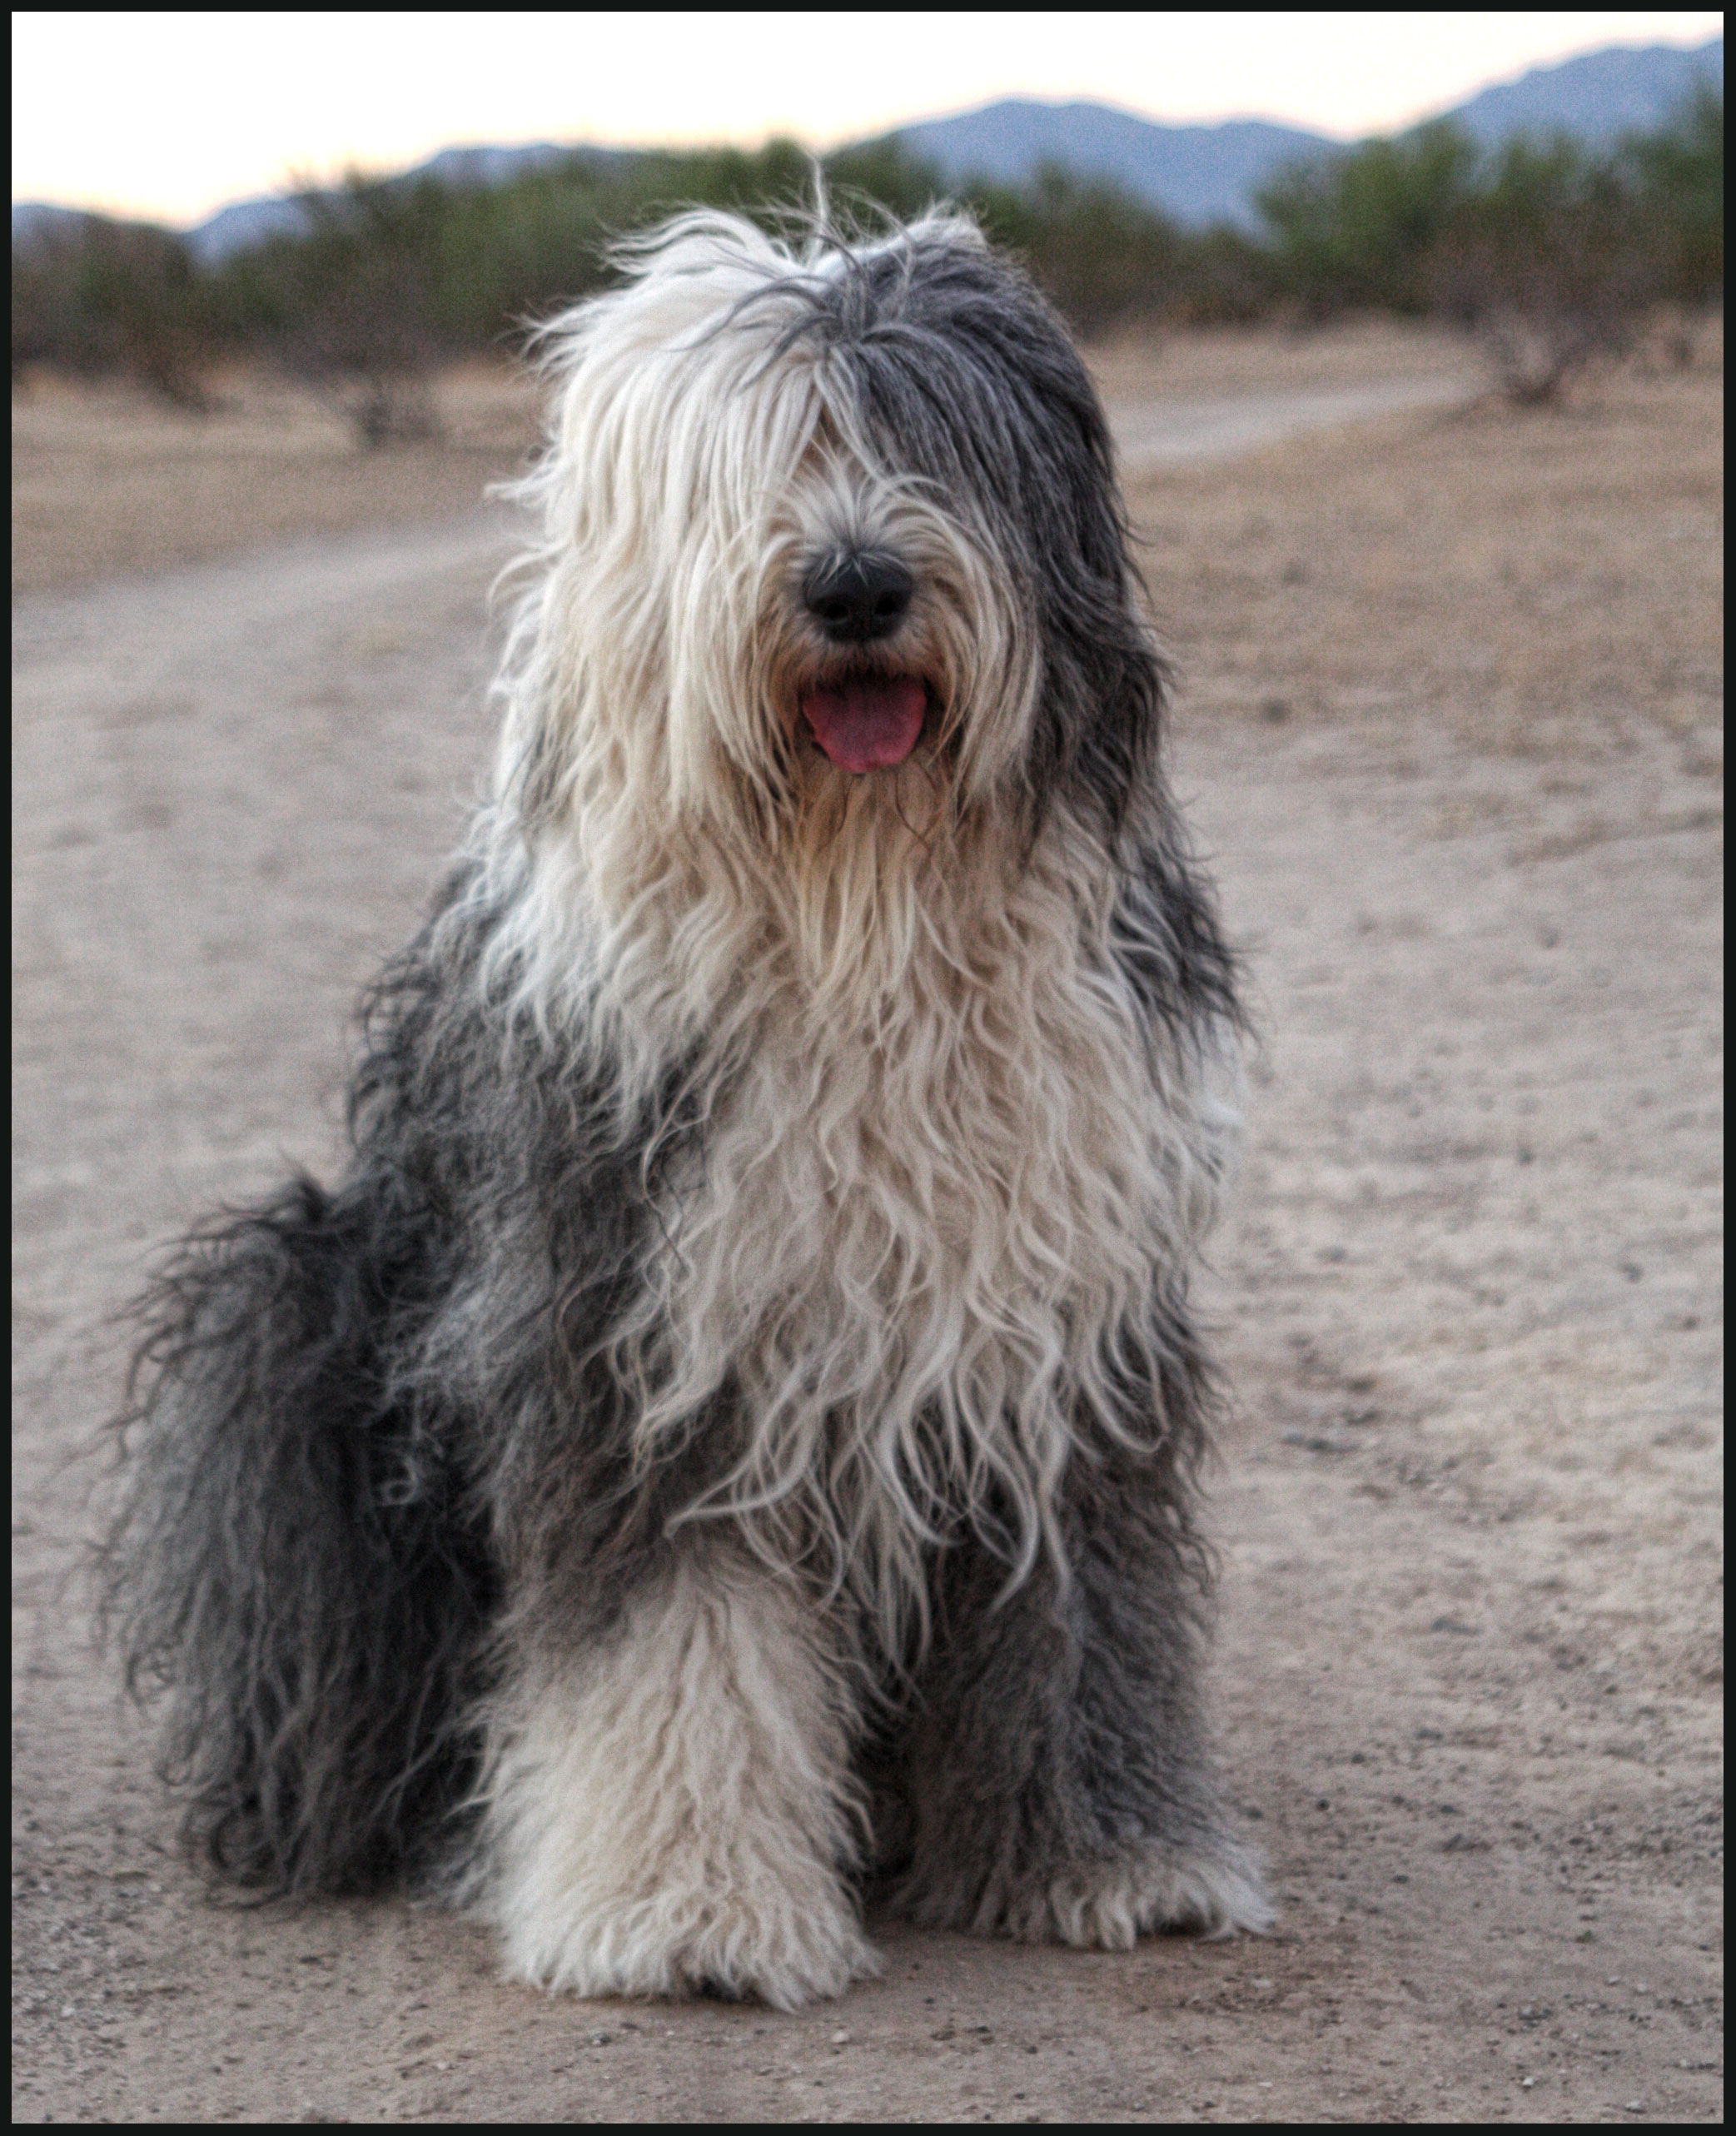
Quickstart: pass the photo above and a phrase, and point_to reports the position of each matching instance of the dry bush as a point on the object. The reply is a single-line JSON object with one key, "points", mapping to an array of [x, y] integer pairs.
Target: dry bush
{"points": [[1553, 262], [93, 297], [345, 308]]}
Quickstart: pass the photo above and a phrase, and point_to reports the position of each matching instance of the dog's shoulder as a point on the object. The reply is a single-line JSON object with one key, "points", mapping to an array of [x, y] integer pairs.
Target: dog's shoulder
{"points": [[1168, 944]]}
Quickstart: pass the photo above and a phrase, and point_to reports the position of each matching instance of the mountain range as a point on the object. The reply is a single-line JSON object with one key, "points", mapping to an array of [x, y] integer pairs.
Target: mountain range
{"points": [[1197, 174], [1200, 175]]}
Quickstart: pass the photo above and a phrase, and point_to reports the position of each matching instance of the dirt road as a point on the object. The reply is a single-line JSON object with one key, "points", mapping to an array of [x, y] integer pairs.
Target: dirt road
{"points": [[1176, 433], [1469, 1668]]}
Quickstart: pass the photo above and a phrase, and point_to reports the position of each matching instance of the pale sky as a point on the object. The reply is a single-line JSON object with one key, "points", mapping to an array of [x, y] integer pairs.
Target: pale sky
{"points": [[169, 116]]}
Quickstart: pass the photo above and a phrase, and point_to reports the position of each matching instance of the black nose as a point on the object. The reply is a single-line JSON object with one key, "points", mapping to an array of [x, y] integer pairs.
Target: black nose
{"points": [[857, 595]]}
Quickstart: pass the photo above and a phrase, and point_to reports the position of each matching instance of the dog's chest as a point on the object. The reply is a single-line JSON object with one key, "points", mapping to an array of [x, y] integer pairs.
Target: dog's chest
{"points": [[966, 1198]]}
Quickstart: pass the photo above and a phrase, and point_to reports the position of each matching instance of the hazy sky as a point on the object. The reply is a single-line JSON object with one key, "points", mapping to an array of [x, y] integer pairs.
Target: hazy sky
{"points": [[171, 115]]}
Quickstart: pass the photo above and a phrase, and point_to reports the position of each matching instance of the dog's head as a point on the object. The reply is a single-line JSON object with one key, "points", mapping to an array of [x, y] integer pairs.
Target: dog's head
{"points": [[837, 514], [832, 585]]}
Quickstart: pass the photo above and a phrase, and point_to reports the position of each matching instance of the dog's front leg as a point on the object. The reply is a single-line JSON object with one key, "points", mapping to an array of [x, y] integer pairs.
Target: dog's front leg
{"points": [[672, 1810], [1057, 1765]]}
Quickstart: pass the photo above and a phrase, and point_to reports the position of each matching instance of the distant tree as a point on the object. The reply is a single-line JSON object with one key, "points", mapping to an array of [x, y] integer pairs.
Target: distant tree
{"points": [[762, 183], [1552, 262], [1548, 254], [43, 275], [1103, 256], [1357, 230], [1679, 177], [349, 307], [94, 295]]}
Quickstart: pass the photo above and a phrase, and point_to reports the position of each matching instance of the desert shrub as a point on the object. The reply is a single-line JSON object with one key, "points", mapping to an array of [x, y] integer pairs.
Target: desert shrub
{"points": [[46, 328], [1100, 256], [92, 296], [348, 306], [880, 178], [1357, 230], [1552, 261], [391, 274], [1226, 278], [1551, 254], [1678, 179]]}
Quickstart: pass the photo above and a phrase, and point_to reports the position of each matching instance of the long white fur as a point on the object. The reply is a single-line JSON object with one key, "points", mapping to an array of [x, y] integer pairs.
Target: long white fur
{"points": [[944, 1158], [677, 1809]]}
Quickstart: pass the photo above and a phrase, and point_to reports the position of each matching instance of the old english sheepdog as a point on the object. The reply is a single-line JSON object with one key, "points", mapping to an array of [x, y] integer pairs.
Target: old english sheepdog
{"points": [[731, 1431]]}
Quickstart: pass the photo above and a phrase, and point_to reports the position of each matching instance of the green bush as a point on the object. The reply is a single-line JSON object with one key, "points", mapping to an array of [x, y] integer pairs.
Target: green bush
{"points": [[1551, 254], [1357, 230], [1677, 177]]}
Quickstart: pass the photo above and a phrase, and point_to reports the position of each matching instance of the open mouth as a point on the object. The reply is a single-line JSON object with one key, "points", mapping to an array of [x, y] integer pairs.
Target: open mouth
{"points": [[867, 722]]}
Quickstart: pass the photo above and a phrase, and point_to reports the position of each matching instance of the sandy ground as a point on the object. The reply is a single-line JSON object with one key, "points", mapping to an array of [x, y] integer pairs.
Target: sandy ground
{"points": [[105, 481], [1450, 734]]}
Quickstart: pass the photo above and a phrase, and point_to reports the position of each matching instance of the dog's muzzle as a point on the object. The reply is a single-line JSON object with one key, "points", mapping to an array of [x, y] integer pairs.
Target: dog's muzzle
{"points": [[870, 720]]}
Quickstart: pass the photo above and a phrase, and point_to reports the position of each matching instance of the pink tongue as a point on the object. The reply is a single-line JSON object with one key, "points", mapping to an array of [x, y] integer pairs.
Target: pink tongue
{"points": [[869, 723]]}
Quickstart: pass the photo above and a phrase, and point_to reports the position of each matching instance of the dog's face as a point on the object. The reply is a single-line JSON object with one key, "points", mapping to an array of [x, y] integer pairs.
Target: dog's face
{"points": [[833, 538]]}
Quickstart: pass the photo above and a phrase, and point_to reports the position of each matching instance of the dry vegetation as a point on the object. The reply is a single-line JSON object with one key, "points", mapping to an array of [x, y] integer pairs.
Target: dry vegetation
{"points": [[110, 478], [1528, 577]]}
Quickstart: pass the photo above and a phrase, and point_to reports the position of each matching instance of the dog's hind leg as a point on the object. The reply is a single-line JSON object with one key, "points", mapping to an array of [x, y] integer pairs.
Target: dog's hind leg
{"points": [[672, 1811], [295, 1564], [1056, 1759]]}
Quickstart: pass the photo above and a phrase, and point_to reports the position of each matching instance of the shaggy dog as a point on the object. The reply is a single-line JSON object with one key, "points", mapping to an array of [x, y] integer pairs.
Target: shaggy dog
{"points": [[732, 1427]]}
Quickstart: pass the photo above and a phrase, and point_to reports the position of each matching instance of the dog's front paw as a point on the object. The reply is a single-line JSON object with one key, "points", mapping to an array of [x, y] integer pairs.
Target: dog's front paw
{"points": [[785, 1946], [1106, 1905], [677, 1816], [1214, 1890]]}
